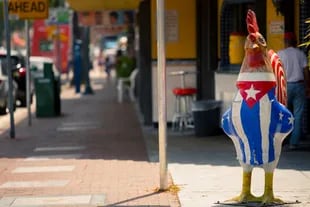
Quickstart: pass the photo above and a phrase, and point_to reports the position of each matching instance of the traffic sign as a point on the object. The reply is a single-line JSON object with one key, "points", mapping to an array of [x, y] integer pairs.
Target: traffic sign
{"points": [[28, 9]]}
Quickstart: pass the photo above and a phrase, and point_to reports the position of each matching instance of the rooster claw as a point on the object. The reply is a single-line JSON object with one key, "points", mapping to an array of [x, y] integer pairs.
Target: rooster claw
{"points": [[244, 198], [270, 199]]}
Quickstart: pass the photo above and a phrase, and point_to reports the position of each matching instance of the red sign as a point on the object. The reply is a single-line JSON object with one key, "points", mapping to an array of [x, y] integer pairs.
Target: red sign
{"points": [[45, 43]]}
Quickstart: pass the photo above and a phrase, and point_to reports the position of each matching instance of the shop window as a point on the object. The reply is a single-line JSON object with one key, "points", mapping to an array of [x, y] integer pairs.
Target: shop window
{"points": [[233, 33]]}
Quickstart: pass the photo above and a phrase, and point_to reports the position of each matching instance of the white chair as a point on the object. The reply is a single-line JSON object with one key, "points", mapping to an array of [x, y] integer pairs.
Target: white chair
{"points": [[127, 85]]}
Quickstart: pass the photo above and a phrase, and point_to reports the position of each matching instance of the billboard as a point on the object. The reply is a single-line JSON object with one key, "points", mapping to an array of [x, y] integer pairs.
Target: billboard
{"points": [[51, 38]]}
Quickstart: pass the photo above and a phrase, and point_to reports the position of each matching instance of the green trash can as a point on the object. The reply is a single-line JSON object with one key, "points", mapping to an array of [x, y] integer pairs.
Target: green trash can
{"points": [[47, 93], [57, 90]]}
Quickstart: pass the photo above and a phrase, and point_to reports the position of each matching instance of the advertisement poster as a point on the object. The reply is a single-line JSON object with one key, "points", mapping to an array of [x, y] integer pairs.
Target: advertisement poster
{"points": [[108, 22], [51, 38]]}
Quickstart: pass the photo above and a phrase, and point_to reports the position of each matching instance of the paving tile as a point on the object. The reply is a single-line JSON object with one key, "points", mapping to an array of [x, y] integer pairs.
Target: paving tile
{"points": [[57, 201], [50, 157], [34, 184], [66, 168], [59, 148]]}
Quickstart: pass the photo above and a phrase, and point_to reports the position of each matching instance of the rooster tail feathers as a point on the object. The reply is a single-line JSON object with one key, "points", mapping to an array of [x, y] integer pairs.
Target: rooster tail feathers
{"points": [[276, 64]]}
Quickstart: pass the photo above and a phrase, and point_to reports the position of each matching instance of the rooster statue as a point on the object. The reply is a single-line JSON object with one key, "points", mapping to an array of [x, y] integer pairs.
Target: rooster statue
{"points": [[258, 121]]}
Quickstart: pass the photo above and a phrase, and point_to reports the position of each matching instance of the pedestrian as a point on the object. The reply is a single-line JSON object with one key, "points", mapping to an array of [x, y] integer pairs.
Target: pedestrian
{"points": [[297, 73], [108, 66], [77, 66], [101, 60]]}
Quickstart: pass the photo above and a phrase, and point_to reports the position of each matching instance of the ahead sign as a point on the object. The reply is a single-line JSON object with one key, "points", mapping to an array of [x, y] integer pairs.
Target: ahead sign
{"points": [[28, 9]]}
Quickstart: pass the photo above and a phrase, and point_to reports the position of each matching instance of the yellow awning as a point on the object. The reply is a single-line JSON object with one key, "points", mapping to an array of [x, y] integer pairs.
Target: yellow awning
{"points": [[95, 5]]}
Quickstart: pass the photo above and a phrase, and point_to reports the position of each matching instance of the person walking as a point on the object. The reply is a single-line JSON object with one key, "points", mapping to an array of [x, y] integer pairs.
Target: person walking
{"points": [[108, 66], [297, 73]]}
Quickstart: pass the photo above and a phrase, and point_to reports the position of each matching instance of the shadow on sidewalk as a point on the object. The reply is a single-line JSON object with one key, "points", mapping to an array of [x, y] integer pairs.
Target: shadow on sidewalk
{"points": [[101, 128], [212, 150]]}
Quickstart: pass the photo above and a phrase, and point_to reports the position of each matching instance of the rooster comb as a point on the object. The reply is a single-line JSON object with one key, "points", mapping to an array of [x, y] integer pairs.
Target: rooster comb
{"points": [[251, 22]]}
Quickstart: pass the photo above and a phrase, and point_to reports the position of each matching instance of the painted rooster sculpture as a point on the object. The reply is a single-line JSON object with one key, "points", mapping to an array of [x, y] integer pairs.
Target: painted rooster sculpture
{"points": [[258, 121]]}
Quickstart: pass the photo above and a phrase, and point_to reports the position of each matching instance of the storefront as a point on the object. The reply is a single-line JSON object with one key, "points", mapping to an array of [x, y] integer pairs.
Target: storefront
{"points": [[274, 18]]}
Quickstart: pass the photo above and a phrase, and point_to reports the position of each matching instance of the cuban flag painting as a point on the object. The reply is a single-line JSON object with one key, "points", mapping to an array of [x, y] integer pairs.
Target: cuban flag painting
{"points": [[256, 122]]}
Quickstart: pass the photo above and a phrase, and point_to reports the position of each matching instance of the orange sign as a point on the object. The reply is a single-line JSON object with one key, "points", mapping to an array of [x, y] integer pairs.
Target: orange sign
{"points": [[28, 9]]}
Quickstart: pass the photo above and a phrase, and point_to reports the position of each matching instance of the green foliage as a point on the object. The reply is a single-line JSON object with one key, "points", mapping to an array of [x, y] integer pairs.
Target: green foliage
{"points": [[56, 3], [306, 42]]}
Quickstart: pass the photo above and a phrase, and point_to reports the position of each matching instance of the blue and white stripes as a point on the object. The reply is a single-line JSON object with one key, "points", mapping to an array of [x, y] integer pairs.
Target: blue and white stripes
{"points": [[257, 131]]}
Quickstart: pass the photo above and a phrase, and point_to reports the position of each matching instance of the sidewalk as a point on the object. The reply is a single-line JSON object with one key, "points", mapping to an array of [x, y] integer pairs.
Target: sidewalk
{"points": [[92, 155], [207, 171], [98, 154]]}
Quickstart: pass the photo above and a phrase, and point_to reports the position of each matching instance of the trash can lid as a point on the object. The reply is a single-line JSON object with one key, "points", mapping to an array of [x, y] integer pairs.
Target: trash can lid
{"points": [[206, 105]]}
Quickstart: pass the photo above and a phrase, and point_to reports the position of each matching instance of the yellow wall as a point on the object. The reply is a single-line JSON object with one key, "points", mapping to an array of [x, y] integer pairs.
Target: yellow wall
{"points": [[185, 46], [274, 34]]}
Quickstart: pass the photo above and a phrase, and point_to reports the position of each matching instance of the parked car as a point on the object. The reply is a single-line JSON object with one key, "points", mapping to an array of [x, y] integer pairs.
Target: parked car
{"points": [[19, 76], [4, 88]]}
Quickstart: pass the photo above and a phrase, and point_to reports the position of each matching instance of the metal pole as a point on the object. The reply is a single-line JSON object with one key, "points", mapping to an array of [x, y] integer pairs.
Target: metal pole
{"points": [[9, 66], [28, 78], [58, 44], [161, 85]]}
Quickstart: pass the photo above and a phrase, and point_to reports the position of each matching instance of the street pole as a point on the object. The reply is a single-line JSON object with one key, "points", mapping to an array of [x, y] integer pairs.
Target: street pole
{"points": [[161, 87], [58, 49], [86, 61], [9, 66], [28, 78]]}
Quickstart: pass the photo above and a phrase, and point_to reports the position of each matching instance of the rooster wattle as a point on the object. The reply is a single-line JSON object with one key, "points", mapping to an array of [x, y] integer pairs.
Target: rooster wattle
{"points": [[258, 121]]}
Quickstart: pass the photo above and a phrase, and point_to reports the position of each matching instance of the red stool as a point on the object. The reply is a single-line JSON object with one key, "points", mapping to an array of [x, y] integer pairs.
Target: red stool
{"points": [[183, 117]]}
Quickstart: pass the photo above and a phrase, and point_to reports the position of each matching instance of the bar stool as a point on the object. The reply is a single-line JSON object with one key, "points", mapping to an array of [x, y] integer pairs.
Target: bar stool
{"points": [[184, 96], [182, 117]]}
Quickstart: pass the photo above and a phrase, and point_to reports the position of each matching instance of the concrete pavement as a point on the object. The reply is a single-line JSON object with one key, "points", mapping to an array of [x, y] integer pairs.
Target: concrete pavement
{"points": [[207, 171], [98, 154]]}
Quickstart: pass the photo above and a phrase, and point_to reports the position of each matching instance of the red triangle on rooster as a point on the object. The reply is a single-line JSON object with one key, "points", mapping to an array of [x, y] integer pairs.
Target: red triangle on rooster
{"points": [[253, 91]]}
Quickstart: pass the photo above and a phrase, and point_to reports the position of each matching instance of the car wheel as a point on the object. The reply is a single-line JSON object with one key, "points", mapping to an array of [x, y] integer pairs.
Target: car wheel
{"points": [[14, 106], [23, 102], [3, 110]]}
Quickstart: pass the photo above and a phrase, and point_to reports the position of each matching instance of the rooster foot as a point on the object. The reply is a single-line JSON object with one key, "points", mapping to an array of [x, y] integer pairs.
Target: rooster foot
{"points": [[245, 198], [270, 199]]}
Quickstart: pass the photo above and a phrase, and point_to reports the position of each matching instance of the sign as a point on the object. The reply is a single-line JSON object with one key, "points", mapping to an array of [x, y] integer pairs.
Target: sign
{"points": [[46, 41], [276, 27], [28, 9], [172, 25]]}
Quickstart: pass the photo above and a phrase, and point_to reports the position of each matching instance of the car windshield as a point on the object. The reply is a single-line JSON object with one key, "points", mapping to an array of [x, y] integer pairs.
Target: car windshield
{"points": [[16, 62], [3, 67]]}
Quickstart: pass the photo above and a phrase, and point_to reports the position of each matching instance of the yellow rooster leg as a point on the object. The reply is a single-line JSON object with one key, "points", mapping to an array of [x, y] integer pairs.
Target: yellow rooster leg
{"points": [[268, 197], [245, 195]]}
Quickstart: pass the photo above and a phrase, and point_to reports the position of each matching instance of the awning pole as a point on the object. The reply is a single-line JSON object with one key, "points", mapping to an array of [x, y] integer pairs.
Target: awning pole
{"points": [[9, 66], [161, 85]]}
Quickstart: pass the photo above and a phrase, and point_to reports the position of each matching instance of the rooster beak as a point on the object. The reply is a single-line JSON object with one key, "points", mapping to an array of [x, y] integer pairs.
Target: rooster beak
{"points": [[254, 46]]}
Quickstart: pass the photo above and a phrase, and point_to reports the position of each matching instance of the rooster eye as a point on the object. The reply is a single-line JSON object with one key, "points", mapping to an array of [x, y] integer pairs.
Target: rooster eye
{"points": [[261, 40]]}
